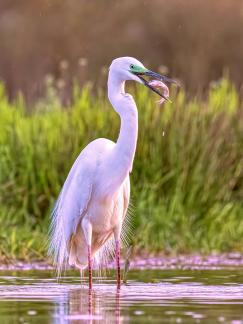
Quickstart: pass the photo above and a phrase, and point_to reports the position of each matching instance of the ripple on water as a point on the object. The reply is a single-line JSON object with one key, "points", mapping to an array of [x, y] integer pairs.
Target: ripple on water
{"points": [[181, 296]]}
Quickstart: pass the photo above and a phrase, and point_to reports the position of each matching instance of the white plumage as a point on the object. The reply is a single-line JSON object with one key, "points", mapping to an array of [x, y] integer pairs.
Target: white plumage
{"points": [[93, 202], [84, 194]]}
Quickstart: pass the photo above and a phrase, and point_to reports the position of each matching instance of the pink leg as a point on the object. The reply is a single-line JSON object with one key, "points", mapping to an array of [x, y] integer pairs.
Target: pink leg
{"points": [[90, 266], [118, 264]]}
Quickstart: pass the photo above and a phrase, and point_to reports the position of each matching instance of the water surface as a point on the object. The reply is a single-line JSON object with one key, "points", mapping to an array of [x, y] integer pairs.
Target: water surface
{"points": [[150, 296]]}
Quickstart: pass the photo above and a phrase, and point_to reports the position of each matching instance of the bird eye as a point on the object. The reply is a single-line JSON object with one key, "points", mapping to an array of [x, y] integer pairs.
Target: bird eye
{"points": [[131, 66]]}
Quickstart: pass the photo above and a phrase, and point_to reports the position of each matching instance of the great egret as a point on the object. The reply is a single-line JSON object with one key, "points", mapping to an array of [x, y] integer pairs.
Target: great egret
{"points": [[94, 199]]}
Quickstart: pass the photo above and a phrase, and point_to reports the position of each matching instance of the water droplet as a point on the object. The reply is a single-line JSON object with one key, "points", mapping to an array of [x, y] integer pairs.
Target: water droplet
{"points": [[138, 312], [32, 312]]}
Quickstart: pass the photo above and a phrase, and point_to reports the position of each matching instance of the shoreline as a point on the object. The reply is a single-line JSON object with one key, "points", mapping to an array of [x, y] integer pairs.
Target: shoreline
{"points": [[182, 262]]}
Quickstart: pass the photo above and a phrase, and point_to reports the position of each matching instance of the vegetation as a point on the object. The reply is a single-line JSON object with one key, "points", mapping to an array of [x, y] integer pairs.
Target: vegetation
{"points": [[187, 181]]}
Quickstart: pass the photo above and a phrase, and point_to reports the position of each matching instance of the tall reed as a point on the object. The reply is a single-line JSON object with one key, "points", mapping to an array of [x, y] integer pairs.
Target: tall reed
{"points": [[187, 182]]}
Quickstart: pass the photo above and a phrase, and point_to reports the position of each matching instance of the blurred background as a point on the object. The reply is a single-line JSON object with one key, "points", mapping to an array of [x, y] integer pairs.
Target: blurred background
{"points": [[196, 41], [187, 180]]}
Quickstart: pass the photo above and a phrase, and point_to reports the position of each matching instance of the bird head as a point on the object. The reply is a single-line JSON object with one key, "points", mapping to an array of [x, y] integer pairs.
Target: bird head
{"points": [[129, 68]]}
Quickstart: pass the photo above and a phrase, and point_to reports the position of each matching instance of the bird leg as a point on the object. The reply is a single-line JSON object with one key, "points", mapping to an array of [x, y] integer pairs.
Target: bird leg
{"points": [[90, 266], [118, 264], [87, 229], [117, 234]]}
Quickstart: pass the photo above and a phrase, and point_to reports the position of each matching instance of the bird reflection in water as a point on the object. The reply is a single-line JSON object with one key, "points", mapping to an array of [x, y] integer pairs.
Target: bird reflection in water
{"points": [[90, 306]]}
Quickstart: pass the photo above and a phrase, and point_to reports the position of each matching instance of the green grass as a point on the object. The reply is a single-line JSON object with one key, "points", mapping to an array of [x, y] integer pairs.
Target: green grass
{"points": [[187, 182]]}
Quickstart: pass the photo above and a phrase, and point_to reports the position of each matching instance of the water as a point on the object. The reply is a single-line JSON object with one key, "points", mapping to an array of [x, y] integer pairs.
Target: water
{"points": [[150, 296]]}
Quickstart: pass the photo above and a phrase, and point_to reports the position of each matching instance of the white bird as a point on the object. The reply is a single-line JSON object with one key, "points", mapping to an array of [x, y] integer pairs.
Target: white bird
{"points": [[93, 202]]}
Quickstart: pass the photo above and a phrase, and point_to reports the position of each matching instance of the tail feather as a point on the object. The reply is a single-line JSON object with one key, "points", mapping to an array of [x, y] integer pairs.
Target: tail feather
{"points": [[58, 246]]}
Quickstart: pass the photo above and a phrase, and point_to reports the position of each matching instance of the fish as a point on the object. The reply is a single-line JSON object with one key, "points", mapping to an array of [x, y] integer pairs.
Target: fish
{"points": [[163, 87]]}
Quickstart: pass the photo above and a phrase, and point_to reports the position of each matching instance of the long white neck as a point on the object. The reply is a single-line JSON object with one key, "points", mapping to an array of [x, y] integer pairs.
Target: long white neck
{"points": [[124, 151]]}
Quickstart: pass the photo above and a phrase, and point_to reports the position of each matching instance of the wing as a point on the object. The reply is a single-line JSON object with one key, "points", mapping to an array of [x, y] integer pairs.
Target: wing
{"points": [[74, 199], [70, 207]]}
